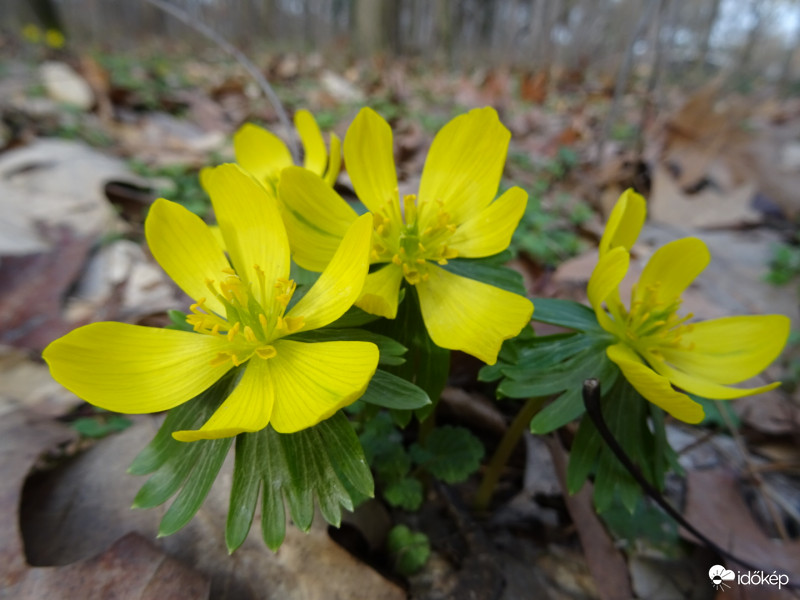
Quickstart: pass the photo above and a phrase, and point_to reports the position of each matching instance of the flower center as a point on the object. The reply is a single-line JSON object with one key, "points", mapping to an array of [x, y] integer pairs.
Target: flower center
{"points": [[253, 319], [651, 323], [400, 240]]}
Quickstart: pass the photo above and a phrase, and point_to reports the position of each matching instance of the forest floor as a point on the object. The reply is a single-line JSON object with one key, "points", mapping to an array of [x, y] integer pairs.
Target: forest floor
{"points": [[88, 142]]}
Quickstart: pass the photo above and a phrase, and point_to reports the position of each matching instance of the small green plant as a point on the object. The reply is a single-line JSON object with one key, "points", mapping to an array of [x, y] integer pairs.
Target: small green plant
{"points": [[784, 265], [546, 235], [410, 549], [448, 453], [100, 424]]}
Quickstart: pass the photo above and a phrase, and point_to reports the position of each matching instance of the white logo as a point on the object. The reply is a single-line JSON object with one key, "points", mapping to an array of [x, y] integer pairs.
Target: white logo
{"points": [[719, 575]]}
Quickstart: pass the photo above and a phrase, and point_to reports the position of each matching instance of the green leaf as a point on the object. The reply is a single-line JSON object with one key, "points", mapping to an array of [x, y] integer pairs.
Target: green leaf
{"points": [[354, 317], [410, 549], [404, 493], [541, 353], [489, 270], [647, 524], [177, 320], [713, 415], [390, 391], [583, 455], [197, 486], [566, 375], [427, 365], [324, 462], [383, 448], [391, 352], [244, 491], [101, 425], [450, 453], [569, 405], [189, 415], [565, 313]]}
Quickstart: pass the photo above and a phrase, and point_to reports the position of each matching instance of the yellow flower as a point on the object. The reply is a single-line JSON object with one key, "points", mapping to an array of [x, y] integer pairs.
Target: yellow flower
{"points": [[455, 214], [32, 33], [240, 317], [54, 38], [656, 348], [264, 155]]}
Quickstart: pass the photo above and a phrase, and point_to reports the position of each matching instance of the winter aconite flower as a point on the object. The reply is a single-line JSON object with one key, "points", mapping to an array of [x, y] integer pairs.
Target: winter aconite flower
{"points": [[264, 155], [241, 317], [453, 215], [656, 348]]}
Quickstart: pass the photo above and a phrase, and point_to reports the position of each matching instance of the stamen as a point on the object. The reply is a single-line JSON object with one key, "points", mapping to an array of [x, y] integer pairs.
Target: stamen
{"points": [[266, 352]]}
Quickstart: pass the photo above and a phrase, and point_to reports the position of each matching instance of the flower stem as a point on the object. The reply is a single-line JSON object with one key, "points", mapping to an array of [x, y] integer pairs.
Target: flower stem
{"points": [[501, 455]]}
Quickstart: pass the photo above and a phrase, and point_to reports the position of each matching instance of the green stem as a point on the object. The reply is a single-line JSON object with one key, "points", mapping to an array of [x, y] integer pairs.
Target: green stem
{"points": [[427, 425], [501, 455]]}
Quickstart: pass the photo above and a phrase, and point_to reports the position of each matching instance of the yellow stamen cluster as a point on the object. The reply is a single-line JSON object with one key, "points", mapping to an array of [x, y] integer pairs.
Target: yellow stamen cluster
{"points": [[401, 242], [651, 323], [251, 322]]}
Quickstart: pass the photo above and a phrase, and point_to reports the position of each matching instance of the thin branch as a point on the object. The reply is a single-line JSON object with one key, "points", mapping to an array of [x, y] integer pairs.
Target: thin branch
{"points": [[254, 72], [591, 400], [766, 491]]}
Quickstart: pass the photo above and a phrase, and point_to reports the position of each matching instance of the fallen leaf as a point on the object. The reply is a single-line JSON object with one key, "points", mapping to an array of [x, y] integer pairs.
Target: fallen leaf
{"points": [[534, 86], [131, 569], [714, 505], [33, 287], [52, 184], [26, 383], [79, 509], [63, 84], [23, 439], [606, 561]]}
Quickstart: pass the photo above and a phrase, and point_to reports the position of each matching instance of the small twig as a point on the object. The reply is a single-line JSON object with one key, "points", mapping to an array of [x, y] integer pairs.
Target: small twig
{"points": [[254, 72], [591, 400], [503, 452], [766, 492]]}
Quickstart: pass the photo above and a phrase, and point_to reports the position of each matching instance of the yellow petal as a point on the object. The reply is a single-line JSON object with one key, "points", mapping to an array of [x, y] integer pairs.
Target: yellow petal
{"points": [[334, 161], [251, 225], [313, 381], [247, 409], [342, 280], [624, 223], [671, 270], [731, 349], [381, 291], [134, 369], [654, 387], [369, 158], [468, 315], [464, 164], [604, 282], [260, 152], [316, 157], [316, 217], [217, 233], [490, 231], [705, 387], [186, 249]]}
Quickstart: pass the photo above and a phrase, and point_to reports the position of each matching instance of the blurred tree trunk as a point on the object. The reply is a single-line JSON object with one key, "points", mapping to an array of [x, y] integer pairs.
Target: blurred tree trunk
{"points": [[746, 57], [444, 30], [708, 28], [377, 26], [787, 66]]}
